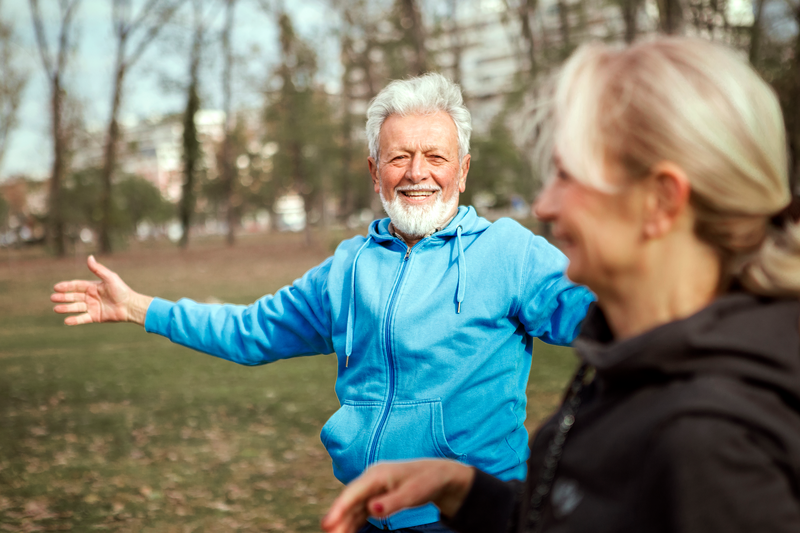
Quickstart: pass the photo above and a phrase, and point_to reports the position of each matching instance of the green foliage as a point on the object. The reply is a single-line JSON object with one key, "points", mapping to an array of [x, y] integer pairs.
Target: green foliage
{"points": [[140, 201], [134, 200], [498, 168]]}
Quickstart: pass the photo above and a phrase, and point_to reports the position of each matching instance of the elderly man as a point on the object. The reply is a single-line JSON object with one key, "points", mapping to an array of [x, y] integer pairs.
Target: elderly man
{"points": [[432, 314]]}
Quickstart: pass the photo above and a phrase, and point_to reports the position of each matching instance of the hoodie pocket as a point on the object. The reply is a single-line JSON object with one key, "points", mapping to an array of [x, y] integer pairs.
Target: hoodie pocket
{"points": [[346, 436], [415, 430]]}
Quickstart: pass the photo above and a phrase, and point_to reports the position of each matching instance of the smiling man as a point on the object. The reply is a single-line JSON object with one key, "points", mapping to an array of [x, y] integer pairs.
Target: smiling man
{"points": [[432, 314]]}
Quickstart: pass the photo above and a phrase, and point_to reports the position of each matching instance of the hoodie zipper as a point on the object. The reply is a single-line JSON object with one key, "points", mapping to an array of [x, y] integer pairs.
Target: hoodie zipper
{"points": [[390, 363]]}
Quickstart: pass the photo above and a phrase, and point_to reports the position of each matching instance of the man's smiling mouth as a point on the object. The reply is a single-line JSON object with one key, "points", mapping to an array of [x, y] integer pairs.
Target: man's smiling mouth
{"points": [[417, 194]]}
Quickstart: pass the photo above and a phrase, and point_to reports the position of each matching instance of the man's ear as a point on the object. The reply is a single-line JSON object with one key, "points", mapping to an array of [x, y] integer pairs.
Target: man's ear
{"points": [[462, 182], [667, 199], [373, 171]]}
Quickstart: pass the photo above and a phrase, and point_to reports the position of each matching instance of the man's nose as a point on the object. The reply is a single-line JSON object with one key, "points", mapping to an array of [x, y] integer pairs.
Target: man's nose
{"points": [[417, 171]]}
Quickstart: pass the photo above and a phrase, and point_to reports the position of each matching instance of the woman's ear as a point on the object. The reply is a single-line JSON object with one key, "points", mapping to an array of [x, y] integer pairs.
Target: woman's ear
{"points": [[667, 199]]}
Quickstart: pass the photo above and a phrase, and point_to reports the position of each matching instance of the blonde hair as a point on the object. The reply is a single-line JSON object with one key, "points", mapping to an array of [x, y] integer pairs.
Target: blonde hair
{"points": [[705, 109]]}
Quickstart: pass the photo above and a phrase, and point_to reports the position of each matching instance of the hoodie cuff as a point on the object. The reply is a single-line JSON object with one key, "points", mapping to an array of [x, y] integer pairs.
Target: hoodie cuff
{"points": [[158, 316]]}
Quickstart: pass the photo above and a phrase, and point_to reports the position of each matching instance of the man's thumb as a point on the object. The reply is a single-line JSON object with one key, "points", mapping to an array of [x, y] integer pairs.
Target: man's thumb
{"points": [[97, 269]]}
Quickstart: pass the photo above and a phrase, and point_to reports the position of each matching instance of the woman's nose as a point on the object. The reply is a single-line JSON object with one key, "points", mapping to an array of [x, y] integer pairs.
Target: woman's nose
{"points": [[545, 207]]}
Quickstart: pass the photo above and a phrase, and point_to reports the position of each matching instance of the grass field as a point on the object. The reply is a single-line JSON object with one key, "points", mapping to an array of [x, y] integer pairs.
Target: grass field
{"points": [[104, 427]]}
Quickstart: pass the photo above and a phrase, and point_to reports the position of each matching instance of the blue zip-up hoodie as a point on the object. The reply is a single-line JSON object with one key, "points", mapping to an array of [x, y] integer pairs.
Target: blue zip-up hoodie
{"points": [[433, 342]]}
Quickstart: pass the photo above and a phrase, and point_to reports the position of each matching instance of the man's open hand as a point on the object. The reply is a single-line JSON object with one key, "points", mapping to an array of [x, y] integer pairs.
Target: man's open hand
{"points": [[107, 300]]}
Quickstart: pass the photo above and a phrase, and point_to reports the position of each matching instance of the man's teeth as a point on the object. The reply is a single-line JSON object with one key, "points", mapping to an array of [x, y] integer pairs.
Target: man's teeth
{"points": [[417, 193]]}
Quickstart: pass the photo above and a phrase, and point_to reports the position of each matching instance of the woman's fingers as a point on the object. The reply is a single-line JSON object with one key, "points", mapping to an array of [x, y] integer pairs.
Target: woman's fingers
{"points": [[349, 511], [348, 522], [403, 496]]}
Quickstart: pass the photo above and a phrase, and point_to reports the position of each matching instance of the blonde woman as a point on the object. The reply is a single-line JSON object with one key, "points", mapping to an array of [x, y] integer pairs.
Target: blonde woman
{"points": [[670, 172]]}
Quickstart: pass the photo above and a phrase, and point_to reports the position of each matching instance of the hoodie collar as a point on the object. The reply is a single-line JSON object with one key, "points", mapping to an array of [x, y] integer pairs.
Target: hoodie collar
{"points": [[739, 334]]}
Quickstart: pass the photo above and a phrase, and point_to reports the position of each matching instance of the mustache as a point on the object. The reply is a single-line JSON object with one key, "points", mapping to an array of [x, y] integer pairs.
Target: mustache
{"points": [[404, 188]]}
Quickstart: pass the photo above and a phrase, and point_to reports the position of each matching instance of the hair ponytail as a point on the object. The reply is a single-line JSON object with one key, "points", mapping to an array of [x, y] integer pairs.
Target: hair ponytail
{"points": [[775, 268]]}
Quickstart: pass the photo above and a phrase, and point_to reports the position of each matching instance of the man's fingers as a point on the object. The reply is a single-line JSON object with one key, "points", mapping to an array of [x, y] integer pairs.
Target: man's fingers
{"points": [[62, 297], [75, 285], [77, 320], [77, 307]]}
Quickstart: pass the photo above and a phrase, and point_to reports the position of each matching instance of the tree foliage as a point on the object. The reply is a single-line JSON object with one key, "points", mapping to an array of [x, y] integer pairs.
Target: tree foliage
{"points": [[135, 200]]}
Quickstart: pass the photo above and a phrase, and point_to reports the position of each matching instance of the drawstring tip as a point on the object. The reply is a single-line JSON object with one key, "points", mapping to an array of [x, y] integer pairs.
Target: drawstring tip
{"points": [[459, 308], [347, 361]]}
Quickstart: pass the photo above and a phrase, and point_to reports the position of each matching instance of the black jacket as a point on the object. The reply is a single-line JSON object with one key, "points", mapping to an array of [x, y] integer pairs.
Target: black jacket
{"points": [[692, 427]]}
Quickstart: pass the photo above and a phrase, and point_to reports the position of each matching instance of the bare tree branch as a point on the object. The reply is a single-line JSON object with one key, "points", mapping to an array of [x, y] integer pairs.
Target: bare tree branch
{"points": [[41, 37]]}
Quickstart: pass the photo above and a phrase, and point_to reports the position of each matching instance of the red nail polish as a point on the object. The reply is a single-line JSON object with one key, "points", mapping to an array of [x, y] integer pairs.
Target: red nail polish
{"points": [[378, 508]]}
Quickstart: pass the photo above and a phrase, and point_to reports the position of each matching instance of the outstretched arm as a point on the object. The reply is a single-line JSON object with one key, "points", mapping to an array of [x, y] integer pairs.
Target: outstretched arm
{"points": [[107, 300], [387, 488]]}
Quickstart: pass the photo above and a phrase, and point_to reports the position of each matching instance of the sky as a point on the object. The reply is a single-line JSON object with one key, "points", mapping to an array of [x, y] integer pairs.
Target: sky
{"points": [[153, 86]]}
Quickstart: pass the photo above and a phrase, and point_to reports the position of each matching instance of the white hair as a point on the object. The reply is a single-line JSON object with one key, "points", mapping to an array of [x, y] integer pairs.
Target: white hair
{"points": [[423, 95], [704, 108]]}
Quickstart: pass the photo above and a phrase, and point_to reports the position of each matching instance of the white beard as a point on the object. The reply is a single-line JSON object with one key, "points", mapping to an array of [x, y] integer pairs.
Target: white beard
{"points": [[418, 221]]}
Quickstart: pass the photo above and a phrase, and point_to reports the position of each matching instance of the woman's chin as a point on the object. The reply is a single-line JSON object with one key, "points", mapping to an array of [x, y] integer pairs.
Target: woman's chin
{"points": [[575, 273]]}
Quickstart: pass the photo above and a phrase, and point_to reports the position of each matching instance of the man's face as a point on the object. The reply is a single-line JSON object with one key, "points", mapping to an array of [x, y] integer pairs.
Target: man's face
{"points": [[418, 175]]}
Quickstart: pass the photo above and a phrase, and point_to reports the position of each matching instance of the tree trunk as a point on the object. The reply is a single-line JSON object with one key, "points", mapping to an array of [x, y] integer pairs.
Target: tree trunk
{"points": [[347, 198], [563, 19], [191, 156], [456, 44], [110, 159], [755, 32], [794, 144], [526, 10], [56, 218], [411, 14], [630, 9], [227, 167], [670, 16]]}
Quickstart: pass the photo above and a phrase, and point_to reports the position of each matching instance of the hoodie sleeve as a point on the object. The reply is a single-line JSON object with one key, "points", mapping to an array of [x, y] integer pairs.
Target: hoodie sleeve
{"points": [[550, 306], [294, 321], [491, 506]]}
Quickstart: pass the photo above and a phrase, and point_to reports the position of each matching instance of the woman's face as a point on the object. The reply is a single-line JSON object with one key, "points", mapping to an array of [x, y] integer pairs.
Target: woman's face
{"points": [[599, 232]]}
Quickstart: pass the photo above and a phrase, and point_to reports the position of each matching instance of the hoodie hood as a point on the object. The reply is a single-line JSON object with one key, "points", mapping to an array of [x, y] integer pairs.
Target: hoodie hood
{"points": [[740, 335]]}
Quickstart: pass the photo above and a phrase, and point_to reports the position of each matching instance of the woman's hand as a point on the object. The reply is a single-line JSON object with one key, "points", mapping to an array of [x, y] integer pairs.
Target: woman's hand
{"points": [[107, 300], [387, 488]]}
